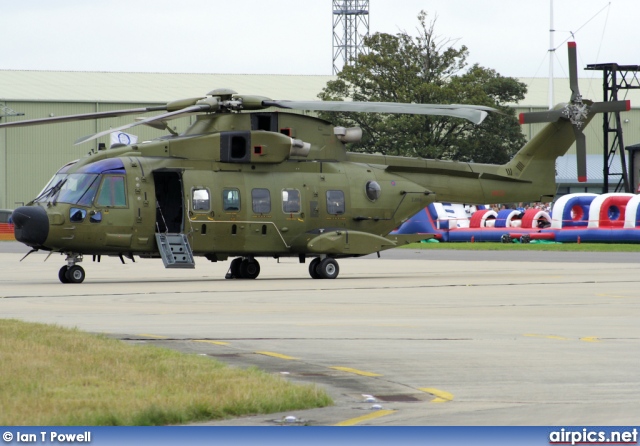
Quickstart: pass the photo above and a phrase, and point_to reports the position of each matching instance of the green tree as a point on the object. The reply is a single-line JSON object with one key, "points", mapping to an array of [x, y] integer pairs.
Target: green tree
{"points": [[427, 70]]}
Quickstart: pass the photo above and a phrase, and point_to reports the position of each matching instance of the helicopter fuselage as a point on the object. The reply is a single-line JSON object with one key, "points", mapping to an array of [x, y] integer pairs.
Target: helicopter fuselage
{"points": [[243, 192], [263, 184]]}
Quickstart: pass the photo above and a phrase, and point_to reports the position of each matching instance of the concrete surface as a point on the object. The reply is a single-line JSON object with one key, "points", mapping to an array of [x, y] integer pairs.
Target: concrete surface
{"points": [[507, 341]]}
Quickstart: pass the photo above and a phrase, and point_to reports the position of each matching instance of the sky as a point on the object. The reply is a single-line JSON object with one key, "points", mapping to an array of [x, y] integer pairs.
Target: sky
{"points": [[295, 36]]}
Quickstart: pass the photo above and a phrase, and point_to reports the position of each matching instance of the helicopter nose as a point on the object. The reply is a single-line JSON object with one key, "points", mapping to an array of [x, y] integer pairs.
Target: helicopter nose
{"points": [[31, 225]]}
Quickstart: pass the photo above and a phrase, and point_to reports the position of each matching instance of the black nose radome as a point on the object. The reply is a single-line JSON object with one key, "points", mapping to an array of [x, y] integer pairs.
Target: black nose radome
{"points": [[31, 225]]}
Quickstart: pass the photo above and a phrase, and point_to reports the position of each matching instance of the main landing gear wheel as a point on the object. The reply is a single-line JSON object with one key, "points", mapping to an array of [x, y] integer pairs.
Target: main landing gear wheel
{"points": [[249, 269], [234, 269], [327, 269], [313, 268], [62, 274], [243, 269], [76, 274], [73, 274]]}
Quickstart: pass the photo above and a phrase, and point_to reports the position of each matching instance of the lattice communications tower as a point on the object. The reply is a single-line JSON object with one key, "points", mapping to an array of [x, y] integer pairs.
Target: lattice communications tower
{"points": [[350, 25]]}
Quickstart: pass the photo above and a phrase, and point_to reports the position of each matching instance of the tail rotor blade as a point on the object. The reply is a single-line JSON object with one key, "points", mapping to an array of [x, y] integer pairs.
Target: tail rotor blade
{"points": [[611, 107], [543, 116], [573, 72], [581, 154]]}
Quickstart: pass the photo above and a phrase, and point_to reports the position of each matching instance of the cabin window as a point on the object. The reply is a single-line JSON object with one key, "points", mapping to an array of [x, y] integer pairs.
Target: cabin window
{"points": [[335, 202], [231, 200], [373, 190], [261, 201], [291, 201], [112, 193], [200, 199]]}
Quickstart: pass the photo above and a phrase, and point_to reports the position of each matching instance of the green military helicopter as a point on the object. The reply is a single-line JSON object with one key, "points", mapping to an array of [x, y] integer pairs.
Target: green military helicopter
{"points": [[243, 183]]}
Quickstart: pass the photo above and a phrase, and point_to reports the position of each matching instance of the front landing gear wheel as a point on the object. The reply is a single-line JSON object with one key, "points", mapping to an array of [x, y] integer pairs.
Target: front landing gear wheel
{"points": [[62, 274], [75, 274], [328, 269], [313, 268]]}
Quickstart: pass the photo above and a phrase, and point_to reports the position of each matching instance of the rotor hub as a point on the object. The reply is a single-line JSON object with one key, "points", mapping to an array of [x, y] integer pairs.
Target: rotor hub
{"points": [[576, 112]]}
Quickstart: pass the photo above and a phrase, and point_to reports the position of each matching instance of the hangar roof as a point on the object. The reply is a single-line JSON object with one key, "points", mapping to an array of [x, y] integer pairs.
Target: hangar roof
{"points": [[163, 87], [149, 87]]}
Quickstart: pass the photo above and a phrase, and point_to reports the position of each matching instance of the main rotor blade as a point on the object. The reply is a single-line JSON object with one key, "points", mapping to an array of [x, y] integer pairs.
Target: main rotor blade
{"points": [[83, 116], [473, 113], [170, 115], [573, 71], [581, 154]]}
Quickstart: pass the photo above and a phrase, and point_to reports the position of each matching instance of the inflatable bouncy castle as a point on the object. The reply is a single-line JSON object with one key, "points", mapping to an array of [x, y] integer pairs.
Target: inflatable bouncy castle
{"points": [[584, 217]]}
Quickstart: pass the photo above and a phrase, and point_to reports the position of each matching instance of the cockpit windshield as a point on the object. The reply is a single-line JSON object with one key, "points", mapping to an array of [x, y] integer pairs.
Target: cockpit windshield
{"points": [[80, 187], [54, 184], [75, 188]]}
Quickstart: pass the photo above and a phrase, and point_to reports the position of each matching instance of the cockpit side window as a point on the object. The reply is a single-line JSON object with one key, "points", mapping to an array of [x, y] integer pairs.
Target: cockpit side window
{"points": [[112, 192]]}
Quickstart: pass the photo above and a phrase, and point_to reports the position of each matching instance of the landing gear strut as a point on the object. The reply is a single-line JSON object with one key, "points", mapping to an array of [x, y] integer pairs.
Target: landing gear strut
{"points": [[72, 273], [243, 268]]}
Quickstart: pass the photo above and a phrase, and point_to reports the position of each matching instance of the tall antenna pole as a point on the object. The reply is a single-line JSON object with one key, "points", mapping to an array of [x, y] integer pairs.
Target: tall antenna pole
{"points": [[552, 52], [350, 23]]}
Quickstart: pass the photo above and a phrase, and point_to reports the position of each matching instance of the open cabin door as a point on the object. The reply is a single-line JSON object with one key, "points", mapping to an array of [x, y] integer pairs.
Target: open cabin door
{"points": [[172, 242]]}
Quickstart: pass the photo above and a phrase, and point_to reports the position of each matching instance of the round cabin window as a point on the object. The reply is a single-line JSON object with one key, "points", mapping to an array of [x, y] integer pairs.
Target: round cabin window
{"points": [[373, 190]]}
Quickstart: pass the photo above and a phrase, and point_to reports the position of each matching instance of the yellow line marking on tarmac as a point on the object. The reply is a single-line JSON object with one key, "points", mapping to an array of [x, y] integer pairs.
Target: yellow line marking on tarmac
{"points": [[371, 416], [211, 342], [558, 338], [440, 395], [277, 355], [356, 371], [614, 296], [153, 336], [590, 339], [351, 325]]}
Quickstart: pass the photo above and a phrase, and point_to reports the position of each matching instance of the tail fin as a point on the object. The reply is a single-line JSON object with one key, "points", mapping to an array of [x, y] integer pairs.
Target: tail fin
{"points": [[537, 159]]}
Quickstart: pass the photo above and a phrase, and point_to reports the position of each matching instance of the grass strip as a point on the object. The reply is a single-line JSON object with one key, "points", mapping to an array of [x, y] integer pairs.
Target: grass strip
{"points": [[59, 376]]}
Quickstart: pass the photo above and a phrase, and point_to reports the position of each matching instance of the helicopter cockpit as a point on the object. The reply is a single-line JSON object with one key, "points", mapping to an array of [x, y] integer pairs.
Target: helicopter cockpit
{"points": [[102, 182]]}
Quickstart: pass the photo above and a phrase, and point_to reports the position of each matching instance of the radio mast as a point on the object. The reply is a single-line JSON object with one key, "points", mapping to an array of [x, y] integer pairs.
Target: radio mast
{"points": [[350, 25]]}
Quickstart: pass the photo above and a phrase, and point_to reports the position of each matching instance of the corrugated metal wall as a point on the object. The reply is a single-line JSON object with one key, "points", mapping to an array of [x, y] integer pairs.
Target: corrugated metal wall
{"points": [[31, 155]]}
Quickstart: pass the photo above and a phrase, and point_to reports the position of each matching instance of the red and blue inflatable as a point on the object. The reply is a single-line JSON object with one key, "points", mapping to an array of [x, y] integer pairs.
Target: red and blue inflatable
{"points": [[575, 218]]}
